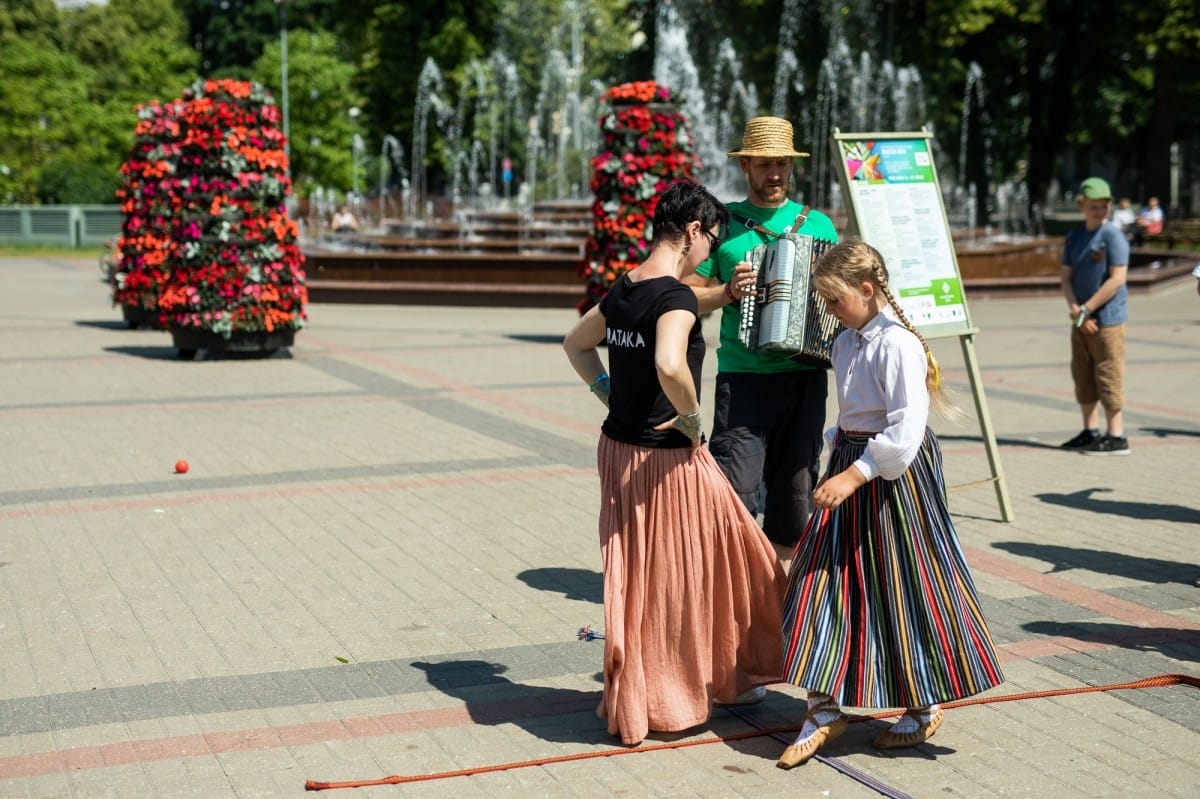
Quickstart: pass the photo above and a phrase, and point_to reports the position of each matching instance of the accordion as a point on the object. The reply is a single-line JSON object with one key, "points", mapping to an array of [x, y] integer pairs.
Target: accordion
{"points": [[784, 313]]}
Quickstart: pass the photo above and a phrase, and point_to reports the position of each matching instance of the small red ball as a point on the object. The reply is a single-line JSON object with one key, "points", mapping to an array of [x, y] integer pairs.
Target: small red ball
{"points": [[181, 467]]}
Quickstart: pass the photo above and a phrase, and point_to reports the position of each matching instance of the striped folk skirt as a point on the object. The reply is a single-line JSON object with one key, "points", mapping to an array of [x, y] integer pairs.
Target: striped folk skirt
{"points": [[881, 610], [693, 592]]}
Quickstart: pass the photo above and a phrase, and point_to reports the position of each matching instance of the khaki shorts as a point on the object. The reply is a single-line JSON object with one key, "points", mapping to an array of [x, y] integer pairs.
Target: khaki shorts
{"points": [[1098, 367]]}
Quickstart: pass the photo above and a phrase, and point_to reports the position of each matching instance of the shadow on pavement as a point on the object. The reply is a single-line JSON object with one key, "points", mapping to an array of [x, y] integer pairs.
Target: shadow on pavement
{"points": [[538, 338], [546, 713], [1150, 570], [106, 324], [1142, 511], [169, 353], [1170, 642], [1167, 432], [581, 584], [165, 353]]}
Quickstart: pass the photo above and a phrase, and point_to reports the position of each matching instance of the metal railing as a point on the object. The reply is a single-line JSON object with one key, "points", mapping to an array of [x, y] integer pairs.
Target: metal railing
{"points": [[71, 226]]}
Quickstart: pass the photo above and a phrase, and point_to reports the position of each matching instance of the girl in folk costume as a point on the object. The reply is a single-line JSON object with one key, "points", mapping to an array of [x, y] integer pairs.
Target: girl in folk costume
{"points": [[880, 610], [692, 588]]}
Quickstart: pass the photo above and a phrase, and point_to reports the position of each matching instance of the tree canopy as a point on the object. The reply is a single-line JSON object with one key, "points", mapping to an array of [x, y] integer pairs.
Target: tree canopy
{"points": [[1042, 92]]}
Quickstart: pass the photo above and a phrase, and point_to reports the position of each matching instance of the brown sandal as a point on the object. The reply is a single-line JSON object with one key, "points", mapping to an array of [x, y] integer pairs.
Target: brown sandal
{"points": [[891, 740], [799, 753]]}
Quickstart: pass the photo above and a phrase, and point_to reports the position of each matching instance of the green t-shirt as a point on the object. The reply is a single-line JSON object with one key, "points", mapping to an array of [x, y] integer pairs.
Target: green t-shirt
{"points": [[732, 355]]}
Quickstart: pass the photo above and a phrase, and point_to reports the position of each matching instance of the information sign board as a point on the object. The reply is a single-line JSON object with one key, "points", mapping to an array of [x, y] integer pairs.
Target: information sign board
{"points": [[895, 204]]}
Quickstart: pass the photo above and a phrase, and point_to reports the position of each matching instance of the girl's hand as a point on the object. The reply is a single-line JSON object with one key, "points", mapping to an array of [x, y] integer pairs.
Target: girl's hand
{"points": [[833, 492]]}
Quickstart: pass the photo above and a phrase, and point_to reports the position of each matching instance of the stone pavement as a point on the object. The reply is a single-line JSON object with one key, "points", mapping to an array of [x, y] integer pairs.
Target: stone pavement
{"points": [[385, 546]]}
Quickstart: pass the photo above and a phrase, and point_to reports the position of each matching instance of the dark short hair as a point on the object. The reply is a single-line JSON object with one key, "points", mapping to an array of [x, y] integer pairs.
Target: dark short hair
{"points": [[686, 201]]}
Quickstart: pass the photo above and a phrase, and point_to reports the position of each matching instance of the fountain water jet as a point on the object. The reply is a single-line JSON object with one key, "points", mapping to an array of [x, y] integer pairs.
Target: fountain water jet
{"points": [[853, 90], [429, 87], [391, 145]]}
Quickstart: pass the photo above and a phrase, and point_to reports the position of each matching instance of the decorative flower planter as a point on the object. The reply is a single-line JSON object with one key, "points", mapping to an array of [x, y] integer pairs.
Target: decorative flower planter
{"points": [[137, 317], [189, 341], [646, 147], [207, 245], [139, 266]]}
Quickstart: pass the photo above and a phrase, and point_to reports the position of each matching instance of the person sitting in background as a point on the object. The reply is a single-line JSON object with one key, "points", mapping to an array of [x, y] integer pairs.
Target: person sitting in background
{"points": [[1149, 221], [1124, 217], [344, 221]]}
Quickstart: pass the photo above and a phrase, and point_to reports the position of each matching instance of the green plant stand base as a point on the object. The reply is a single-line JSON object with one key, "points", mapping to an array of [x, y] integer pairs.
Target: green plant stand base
{"points": [[190, 342]]}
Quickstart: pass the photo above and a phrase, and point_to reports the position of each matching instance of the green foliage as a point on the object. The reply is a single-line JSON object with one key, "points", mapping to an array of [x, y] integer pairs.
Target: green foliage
{"points": [[392, 42], [320, 96], [230, 35], [62, 180], [955, 22], [1067, 87], [44, 94], [36, 20], [71, 82]]}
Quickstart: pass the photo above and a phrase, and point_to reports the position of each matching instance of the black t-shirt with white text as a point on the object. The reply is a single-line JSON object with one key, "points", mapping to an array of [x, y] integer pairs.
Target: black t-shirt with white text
{"points": [[637, 402]]}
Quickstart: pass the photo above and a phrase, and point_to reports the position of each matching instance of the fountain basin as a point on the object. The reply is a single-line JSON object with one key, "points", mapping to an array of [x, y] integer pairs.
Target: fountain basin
{"points": [[545, 280], [1033, 267], [999, 256], [993, 266]]}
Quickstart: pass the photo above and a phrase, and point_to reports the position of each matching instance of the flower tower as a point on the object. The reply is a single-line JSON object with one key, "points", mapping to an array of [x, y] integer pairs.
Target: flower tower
{"points": [[149, 206], [645, 147], [236, 281]]}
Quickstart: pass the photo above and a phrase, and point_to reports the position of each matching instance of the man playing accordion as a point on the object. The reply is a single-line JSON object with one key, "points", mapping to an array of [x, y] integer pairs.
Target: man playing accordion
{"points": [[769, 415]]}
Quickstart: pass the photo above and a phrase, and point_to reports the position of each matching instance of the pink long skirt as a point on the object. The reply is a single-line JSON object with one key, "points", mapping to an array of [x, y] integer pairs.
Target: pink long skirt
{"points": [[693, 593]]}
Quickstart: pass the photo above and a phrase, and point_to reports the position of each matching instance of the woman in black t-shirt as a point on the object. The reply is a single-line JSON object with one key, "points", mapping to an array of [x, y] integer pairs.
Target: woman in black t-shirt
{"points": [[692, 588]]}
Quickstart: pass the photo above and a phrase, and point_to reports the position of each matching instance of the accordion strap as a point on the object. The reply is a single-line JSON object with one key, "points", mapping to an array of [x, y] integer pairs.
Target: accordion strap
{"points": [[766, 231]]}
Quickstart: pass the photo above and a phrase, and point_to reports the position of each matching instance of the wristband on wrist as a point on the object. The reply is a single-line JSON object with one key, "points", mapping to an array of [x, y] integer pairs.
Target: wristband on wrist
{"points": [[729, 292], [601, 387], [689, 425]]}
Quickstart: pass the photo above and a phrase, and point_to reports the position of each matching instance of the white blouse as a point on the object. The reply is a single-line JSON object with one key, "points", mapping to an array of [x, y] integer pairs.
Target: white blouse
{"points": [[880, 373]]}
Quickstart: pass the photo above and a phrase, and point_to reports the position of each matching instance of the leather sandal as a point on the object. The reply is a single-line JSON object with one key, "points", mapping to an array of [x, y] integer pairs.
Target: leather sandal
{"points": [[802, 751], [891, 740]]}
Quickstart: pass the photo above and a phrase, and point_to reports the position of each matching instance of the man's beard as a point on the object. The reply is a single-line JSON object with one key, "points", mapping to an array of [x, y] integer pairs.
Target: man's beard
{"points": [[776, 193]]}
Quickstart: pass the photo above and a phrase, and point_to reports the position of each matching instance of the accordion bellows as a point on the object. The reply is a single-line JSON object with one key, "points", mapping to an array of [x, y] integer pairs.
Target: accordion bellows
{"points": [[784, 313]]}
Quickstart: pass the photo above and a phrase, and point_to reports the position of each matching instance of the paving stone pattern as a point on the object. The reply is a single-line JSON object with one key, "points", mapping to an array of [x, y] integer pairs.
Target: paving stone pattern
{"points": [[385, 546]]}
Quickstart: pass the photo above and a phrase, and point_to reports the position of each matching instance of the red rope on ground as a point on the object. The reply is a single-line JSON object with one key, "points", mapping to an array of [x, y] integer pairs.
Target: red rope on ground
{"points": [[1161, 680], [312, 785]]}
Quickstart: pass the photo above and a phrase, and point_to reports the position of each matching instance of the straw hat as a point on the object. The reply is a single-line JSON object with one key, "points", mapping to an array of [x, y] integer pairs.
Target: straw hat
{"points": [[767, 137]]}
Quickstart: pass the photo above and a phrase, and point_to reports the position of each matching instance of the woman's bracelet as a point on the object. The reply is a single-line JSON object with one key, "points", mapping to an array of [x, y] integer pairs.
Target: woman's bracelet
{"points": [[601, 387], [689, 425]]}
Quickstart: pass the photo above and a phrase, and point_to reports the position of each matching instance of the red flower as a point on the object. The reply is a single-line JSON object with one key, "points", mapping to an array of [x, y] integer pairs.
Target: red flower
{"points": [[642, 155], [208, 246]]}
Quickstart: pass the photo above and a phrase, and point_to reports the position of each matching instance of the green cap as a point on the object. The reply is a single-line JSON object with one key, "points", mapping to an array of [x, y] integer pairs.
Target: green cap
{"points": [[1095, 189]]}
